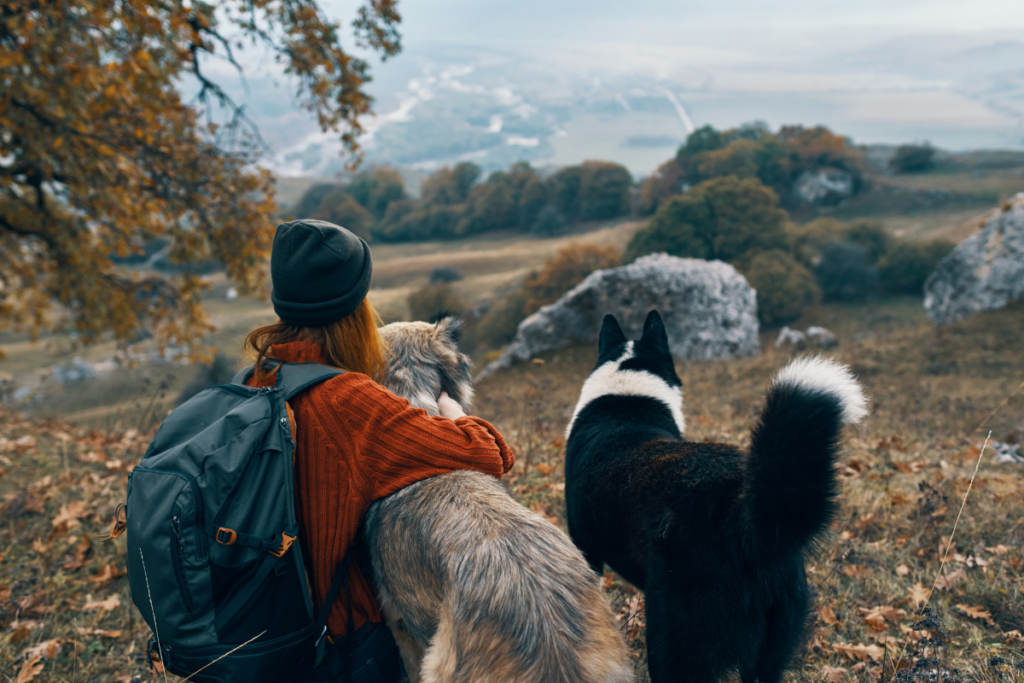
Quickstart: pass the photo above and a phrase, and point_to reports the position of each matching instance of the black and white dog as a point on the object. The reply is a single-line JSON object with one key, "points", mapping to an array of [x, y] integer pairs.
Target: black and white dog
{"points": [[715, 535]]}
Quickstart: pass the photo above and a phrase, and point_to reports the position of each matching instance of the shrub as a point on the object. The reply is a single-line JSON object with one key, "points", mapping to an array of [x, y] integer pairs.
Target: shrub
{"points": [[871, 235], [906, 266], [844, 273], [548, 222], [434, 301], [444, 274], [809, 239], [913, 158], [784, 287], [721, 218], [565, 270], [560, 273], [498, 325]]}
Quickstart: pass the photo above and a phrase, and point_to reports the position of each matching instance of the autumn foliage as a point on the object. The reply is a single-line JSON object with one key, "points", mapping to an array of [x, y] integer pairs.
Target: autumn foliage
{"points": [[100, 155]]}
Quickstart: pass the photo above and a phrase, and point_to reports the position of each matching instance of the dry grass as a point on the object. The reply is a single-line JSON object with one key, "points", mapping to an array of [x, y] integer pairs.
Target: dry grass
{"points": [[904, 474]]}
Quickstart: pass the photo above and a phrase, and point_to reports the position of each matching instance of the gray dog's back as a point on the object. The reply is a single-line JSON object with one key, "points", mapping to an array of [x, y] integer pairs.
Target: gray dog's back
{"points": [[491, 591]]}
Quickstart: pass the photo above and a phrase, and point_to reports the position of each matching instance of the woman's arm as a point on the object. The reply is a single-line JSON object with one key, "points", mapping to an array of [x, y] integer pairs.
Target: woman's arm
{"points": [[397, 444]]}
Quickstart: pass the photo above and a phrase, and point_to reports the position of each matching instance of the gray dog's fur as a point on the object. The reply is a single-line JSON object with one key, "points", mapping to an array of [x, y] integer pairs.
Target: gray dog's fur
{"points": [[476, 588]]}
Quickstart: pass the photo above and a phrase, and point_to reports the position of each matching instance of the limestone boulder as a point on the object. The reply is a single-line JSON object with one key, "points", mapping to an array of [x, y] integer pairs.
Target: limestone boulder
{"points": [[984, 272], [709, 309]]}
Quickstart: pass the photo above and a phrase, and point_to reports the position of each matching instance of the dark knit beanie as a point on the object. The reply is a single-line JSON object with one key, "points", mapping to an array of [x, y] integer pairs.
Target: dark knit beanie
{"points": [[320, 272]]}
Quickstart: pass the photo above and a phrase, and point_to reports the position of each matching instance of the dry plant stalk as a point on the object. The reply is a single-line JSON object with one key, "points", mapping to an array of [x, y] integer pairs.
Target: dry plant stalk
{"points": [[949, 544], [152, 610], [219, 658]]}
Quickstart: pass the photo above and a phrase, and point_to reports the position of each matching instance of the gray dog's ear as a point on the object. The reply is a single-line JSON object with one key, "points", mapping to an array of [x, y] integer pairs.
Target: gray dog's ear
{"points": [[450, 328]]}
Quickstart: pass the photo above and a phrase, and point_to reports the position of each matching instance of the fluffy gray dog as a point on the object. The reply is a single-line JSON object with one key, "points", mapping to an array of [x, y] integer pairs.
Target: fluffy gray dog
{"points": [[475, 587]]}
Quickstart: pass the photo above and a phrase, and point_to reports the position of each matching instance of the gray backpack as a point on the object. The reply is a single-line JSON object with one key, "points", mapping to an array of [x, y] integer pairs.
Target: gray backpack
{"points": [[211, 527]]}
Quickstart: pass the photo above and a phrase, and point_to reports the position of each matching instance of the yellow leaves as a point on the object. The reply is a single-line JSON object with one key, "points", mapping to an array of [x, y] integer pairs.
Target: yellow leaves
{"points": [[876, 617], [858, 653], [977, 612], [108, 605]]}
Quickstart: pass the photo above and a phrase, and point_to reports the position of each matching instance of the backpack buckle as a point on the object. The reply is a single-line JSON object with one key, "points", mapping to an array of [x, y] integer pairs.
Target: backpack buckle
{"points": [[226, 536], [286, 542]]}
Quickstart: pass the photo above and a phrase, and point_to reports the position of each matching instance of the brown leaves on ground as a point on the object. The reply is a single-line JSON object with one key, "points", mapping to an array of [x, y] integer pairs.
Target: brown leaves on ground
{"points": [[48, 649], [857, 653], [108, 573], [856, 571], [876, 617], [977, 612], [98, 632], [32, 668], [108, 605], [947, 581], [919, 594], [833, 674], [828, 616]]}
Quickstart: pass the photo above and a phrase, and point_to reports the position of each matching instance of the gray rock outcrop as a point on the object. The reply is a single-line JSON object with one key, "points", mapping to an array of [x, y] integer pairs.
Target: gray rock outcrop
{"points": [[824, 186], [709, 309], [984, 272]]}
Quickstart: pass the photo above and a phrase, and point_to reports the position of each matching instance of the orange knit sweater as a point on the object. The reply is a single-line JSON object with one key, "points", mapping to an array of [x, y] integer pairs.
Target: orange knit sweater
{"points": [[356, 443]]}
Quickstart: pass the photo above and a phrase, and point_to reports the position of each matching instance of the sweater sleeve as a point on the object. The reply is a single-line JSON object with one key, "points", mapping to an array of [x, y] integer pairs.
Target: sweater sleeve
{"points": [[399, 444]]}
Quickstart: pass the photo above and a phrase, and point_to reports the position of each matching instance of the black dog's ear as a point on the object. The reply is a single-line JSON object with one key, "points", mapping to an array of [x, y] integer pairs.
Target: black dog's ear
{"points": [[450, 327], [611, 335], [654, 330]]}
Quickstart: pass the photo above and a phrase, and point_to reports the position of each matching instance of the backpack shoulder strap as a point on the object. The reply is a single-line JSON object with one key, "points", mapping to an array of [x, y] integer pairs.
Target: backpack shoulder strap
{"points": [[293, 378]]}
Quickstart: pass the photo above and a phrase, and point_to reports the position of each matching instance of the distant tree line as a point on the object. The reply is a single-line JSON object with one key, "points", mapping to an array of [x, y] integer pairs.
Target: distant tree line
{"points": [[455, 203]]}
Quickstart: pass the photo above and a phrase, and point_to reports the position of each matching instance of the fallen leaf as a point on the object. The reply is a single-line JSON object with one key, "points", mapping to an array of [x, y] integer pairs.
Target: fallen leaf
{"points": [[108, 605], [33, 602], [32, 668], [918, 593], [609, 581], [48, 649], [999, 549], [69, 515], [5, 594], [98, 632], [75, 563], [92, 457], [833, 674], [977, 612], [877, 616], [108, 573], [859, 652], [827, 615], [39, 547], [1012, 636], [912, 635], [542, 510], [544, 468], [949, 580], [902, 570], [856, 571]]}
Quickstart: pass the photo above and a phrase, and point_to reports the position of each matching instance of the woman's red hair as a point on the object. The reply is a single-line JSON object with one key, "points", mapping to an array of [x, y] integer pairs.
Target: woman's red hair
{"points": [[352, 343]]}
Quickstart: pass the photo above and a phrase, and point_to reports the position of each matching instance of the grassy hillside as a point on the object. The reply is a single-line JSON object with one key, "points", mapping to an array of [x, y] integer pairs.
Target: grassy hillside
{"points": [[935, 392]]}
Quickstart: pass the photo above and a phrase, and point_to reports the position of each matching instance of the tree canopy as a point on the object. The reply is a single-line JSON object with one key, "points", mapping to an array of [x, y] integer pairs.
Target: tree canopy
{"points": [[100, 155]]}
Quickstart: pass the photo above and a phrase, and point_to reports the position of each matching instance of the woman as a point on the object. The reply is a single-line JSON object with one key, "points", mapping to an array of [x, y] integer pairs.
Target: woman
{"points": [[355, 441]]}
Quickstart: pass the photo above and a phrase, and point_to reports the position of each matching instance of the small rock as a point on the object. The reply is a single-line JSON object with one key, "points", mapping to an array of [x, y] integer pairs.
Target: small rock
{"points": [[76, 371], [822, 337], [1007, 452], [984, 272], [788, 337]]}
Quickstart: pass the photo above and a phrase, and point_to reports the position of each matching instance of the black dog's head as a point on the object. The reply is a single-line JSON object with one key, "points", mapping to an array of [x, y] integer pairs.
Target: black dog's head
{"points": [[650, 353], [642, 368]]}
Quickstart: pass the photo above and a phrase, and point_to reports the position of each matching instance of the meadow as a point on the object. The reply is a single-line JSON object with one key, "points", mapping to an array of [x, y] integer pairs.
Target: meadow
{"points": [[936, 394]]}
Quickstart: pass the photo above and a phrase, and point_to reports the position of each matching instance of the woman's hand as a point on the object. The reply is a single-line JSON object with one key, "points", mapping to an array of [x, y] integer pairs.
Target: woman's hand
{"points": [[448, 407]]}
